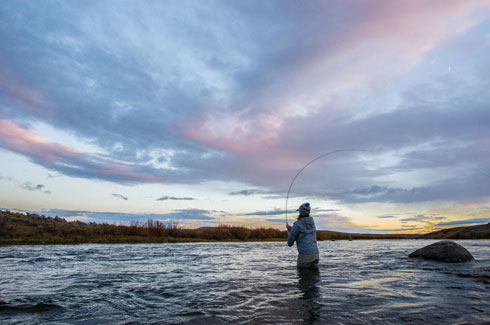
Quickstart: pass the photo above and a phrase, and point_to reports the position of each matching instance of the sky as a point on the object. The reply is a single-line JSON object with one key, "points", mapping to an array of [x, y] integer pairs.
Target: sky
{"points": [[203, 112]]}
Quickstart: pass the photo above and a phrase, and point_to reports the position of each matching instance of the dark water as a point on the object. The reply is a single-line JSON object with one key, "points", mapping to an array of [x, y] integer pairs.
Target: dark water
{"points": [[251, 283]]}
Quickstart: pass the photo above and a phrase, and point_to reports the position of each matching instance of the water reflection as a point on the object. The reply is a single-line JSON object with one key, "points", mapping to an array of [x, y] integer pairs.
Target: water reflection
{"points": [[309, 283]]}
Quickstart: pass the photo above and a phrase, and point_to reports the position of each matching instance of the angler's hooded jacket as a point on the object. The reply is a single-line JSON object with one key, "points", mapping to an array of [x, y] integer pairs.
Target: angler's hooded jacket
{"points": [[304, 233]]}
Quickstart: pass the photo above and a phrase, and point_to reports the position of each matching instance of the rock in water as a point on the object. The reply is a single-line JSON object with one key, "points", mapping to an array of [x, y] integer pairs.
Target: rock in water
{"points": [[444, 251]]}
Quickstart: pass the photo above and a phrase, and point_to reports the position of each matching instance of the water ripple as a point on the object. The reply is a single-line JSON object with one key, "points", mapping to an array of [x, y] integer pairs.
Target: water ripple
{"points": [[367, 282]]}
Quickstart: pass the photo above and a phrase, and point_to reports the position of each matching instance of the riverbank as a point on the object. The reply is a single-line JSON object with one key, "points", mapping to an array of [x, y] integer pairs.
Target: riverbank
{"points": [[33, 229]]}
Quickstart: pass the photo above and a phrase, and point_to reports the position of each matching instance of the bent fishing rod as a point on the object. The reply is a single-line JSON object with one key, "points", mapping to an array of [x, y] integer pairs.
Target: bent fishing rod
{"points": [[304, 167], [364, 150]]}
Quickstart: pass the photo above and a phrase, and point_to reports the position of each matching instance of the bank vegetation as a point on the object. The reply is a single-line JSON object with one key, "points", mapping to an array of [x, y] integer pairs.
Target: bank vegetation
{"points": [[28, 228]]}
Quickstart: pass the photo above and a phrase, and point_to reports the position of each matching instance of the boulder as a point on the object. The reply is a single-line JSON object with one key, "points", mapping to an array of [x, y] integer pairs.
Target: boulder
{"points": [[444, 251]]}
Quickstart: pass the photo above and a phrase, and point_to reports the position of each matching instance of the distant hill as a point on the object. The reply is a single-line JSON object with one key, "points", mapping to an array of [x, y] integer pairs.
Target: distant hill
{"points": [[334, 235], [470, 232]]}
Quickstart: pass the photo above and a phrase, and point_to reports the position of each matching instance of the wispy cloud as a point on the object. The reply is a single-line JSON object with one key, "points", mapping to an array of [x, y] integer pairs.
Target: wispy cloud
{"points": [[394, 215], [426, 219], [464, 222], [31, 187], [423, 218], [246, 192], [398, 229], [325, 210], [278, 220], [120, 196], [268, 213], [189, 214], [173, 198]]}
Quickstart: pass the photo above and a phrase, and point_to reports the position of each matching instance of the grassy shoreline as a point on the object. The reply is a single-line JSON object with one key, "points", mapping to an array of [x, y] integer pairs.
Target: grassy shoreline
{"points": [[33, 229]]}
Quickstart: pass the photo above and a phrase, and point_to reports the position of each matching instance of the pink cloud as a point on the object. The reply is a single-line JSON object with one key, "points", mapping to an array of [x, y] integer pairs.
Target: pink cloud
{"points": [[375, 44], [72, 161], [233, 134], [482, 203], [21, 95], [30, 143], [253, 138]]}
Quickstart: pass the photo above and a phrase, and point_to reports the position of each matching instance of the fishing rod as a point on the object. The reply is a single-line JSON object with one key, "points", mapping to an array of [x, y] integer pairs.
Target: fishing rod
{"points": [[364, 150], [304, 167]]}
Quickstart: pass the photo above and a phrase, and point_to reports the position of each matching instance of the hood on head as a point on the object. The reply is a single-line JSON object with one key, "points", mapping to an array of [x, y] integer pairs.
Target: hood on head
{"points": [[306, 225]]}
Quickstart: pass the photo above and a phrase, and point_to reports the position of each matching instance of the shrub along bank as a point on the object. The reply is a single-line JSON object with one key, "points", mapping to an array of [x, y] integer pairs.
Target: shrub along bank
{"points": [[19, 228]]}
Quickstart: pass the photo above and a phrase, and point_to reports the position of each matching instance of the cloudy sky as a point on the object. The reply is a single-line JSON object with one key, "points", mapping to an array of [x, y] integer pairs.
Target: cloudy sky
{"points": [[203, 112]]}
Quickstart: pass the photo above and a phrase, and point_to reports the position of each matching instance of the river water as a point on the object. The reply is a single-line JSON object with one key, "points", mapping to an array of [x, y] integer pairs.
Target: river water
{"points": [[358, 282]]}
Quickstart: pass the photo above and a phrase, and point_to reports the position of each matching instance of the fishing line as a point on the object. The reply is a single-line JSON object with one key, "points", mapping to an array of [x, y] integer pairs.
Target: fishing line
{"points": [[364, 150]]}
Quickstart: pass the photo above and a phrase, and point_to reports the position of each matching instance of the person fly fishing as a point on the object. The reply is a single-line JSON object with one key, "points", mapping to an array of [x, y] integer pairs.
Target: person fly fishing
{"points": [[303, 232]]}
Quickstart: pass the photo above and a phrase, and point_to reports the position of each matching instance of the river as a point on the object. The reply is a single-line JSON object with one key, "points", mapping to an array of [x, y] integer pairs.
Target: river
{"points": [[358, 282]]}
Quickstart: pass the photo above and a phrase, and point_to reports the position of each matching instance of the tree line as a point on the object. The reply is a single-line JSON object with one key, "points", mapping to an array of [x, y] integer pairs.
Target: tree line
{"points": [[38, 229], [29, 228]]}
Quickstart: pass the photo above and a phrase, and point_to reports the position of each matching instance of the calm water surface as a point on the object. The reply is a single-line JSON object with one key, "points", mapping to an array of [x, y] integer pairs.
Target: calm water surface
{"points": [[251, 283]]}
